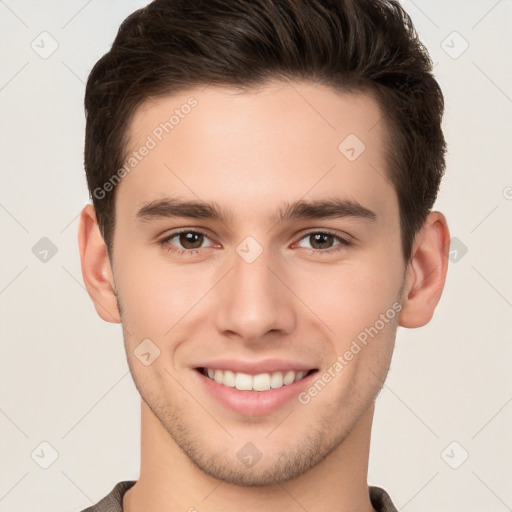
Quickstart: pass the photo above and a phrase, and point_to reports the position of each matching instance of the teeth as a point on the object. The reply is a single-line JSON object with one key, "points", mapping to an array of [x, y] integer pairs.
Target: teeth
{"points": [[289, 377], [260, 382], [228, 378]]}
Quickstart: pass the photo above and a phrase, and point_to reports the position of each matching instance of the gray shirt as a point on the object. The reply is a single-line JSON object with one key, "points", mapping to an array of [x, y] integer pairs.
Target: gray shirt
{"points": [[113, 502]]}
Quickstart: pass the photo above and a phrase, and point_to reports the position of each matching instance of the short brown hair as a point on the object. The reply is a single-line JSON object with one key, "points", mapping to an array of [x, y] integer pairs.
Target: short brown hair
{"points": [[350, 45]]}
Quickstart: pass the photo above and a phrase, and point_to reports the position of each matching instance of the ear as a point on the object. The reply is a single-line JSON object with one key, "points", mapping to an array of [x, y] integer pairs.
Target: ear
{"points": [[96, 270], [426, 272]]}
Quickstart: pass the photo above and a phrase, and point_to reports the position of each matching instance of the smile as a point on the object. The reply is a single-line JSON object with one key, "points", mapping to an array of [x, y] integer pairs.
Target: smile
{"points": [[259, 382]]}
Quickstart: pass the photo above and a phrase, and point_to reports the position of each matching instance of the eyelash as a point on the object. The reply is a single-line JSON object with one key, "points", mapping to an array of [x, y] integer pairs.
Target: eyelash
{"points": [[165, 243]]}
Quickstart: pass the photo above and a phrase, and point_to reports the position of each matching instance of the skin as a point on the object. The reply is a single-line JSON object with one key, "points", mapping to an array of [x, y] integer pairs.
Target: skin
{"points": [[251, 152]]}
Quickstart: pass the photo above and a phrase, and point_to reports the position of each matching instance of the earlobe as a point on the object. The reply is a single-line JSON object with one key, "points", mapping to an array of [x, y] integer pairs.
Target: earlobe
{"points": [[426, 272], [96, 269]]}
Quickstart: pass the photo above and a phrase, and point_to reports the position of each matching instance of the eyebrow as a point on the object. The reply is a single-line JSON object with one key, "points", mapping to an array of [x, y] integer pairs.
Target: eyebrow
{"points": [[317, 209]]}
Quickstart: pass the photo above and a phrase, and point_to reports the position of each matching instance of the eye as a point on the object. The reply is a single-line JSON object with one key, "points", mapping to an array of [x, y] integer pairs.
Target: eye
{"points": [[321, 241], [190, 240]]}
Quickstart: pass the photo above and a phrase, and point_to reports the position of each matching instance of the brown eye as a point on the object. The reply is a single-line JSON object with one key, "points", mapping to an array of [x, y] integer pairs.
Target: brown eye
{"points": [[324, 242], [321, 240], [190, 239], [187, 242]]}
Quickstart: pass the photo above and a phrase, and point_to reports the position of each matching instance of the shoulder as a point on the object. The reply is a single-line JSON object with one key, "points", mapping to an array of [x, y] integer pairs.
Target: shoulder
{"points": [[380, 500], [113, 502]]}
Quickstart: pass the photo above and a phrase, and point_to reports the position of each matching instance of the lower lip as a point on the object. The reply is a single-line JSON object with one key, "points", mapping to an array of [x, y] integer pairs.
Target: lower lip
{"points": [[253, 403]]}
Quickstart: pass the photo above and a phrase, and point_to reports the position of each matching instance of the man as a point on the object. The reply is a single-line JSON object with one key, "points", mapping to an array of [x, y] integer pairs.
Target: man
{"points": [[262, 176]]}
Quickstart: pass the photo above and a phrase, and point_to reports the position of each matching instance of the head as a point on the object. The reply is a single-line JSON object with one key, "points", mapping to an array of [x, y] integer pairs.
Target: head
{"points": [[365, 46], [274, 103]]}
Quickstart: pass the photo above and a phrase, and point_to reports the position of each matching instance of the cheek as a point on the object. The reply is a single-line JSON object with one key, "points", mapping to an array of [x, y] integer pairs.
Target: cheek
{"points": [[351, 297], [156, 296]]}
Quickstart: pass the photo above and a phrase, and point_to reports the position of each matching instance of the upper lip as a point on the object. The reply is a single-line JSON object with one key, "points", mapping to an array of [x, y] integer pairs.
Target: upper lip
{"points": [[255, 367]]}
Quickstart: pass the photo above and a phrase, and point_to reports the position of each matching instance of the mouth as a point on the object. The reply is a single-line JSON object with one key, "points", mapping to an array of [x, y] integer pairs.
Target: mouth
{"points": [[258, 382]]}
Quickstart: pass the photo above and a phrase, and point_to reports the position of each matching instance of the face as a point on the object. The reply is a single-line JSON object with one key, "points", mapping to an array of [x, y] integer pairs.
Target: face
{"points": [[289, 268]]}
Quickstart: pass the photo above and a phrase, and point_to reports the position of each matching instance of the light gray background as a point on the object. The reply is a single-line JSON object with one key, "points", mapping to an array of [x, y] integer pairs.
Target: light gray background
{"points": [[63, 373]]}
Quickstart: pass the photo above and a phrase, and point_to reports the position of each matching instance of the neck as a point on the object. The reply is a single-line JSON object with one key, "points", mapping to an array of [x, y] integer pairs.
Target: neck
{"points": [[170, 482]]}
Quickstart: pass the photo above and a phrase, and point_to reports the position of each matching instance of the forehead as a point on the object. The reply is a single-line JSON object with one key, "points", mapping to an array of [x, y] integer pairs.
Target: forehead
{"points": [[251, 149], [305, 108]]}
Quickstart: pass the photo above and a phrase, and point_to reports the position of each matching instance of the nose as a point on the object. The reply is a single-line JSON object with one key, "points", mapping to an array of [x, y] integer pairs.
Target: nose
{"points": [[254, 302]]}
